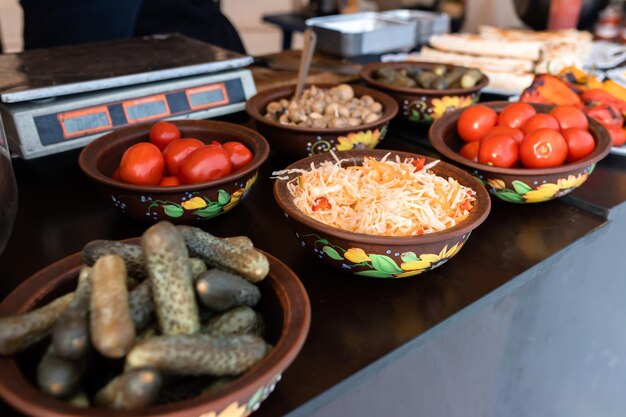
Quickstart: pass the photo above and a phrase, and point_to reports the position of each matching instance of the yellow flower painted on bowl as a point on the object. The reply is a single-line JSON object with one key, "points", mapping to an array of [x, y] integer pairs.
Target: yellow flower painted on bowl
{"points": [[446, 104], [233, 410], [572, 181], [238, 194], [356, 255], [358, 140], [544, 192], [497, 183], [425, 261], [194, 203]]}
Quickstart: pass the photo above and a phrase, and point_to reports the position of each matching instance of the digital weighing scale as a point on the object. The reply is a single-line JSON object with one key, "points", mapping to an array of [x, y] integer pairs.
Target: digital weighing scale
{"points": [[57, 99]]}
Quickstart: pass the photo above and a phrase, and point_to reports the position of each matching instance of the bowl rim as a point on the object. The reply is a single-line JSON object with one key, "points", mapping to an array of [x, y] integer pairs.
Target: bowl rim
{"points": [[88, 157], [253, 108], [366, 74], [476, 217], [21, 393], [437, 130]]}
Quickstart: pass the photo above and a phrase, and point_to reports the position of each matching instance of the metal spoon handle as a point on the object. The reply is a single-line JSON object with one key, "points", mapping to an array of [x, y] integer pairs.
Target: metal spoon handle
{"points": [[305, 60]]}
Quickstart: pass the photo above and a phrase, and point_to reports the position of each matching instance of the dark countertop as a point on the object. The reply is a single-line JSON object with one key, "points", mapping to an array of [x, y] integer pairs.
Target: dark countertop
{"points": [[355, 321]]}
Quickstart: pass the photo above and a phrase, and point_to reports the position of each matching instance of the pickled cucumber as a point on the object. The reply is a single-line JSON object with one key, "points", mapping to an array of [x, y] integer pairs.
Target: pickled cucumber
{"points": [[59, 376], [168, 266], [249, 263], [221, 290], [132, 390], [141, 306], [111, 324], [132, 255], [17, 332], [70, 334], [198, 354], [240, 320], [197, 266]]}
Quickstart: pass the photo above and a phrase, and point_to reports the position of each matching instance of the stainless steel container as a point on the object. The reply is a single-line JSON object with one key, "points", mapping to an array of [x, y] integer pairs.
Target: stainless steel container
{"points": [[426, 23], [365, 33]]}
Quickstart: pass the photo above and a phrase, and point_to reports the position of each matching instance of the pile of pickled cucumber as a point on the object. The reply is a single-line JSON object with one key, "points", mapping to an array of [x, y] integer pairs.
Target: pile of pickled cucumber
{"points": [[437, 77], [156, 313]]}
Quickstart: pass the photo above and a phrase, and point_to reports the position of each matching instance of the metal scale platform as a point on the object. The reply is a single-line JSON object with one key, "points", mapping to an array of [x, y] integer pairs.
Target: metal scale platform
{"points": [[57, 99]]}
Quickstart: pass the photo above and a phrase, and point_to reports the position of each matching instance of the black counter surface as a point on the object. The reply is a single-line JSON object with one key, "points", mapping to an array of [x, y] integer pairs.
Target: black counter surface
{"points": [[355, 321]]}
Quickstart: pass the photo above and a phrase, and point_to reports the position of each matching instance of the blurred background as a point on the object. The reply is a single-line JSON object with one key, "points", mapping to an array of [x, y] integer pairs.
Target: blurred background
{"points": [[261, 38]]}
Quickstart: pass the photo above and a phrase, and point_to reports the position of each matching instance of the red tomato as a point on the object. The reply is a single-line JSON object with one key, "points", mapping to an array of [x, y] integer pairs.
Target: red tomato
{"points": [[470, 150], [170, 181], [142, 164], [516, 114], [580, 143], [618, 135], [570, 116], [205, 164], [515, 133], [475, 122], [498, 150], [178, 150], [539, 121], [163, 133], [239, 155], [116, 174], [215, 143], [543, 148]]}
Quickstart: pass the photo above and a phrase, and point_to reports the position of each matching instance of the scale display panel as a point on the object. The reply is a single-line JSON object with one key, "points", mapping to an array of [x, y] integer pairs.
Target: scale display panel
{"points": [[58, 127]]}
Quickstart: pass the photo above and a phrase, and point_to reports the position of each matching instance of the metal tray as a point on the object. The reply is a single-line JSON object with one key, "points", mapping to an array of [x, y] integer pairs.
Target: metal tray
{"points": [[426, 23], [362, 34]]}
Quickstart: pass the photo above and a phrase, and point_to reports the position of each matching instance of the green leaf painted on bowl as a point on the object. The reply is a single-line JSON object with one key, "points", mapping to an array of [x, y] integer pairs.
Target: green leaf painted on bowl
{"points": [[409, 257], [256, 398], [384, 264], [374, 274], [332, 253], [415, 116], [521, 187], [209, 211], [172, 210], [223, 197], [510, 196], [591, 168]]}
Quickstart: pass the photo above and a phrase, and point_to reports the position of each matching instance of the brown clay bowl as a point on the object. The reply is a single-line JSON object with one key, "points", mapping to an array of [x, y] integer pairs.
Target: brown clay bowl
{"points": [[299, 142], [382, 256], [284, 305], [420, 104], [520, 185], [181, 204]]}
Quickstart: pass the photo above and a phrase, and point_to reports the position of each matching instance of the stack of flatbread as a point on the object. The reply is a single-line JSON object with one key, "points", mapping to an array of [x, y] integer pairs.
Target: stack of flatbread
{"points": [[510, 58]]}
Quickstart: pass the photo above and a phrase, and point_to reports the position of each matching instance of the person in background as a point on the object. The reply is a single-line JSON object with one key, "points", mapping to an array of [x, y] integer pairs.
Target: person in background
{"points": [[50, 23]]}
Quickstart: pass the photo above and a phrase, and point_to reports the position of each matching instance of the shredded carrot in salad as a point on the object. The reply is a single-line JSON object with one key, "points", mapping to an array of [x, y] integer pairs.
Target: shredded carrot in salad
{"points": [[388, 198]]}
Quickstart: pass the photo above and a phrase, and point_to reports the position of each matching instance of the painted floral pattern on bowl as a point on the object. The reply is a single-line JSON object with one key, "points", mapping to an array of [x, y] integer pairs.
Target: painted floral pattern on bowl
{"points": [[428, 109], [367, 139], [243, 410], [535, 191], [388, 265], [193, 204]]}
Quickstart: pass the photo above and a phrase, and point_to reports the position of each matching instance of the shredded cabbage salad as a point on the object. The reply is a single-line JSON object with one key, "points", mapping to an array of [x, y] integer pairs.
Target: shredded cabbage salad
{"points": [[381, 197]]}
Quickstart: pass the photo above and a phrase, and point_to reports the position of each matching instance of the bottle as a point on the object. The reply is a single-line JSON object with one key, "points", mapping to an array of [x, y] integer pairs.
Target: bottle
{"points": [[609, 23]]}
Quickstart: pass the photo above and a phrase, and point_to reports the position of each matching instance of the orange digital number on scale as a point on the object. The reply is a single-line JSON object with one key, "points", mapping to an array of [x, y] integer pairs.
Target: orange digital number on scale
{"points": [[207, 96], [146, 108], [85, 121]]}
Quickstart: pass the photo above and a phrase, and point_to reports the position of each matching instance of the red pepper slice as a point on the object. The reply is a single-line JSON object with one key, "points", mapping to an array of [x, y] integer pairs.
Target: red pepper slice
{"points": [[466, 205], [321, 203], [418, 163]]}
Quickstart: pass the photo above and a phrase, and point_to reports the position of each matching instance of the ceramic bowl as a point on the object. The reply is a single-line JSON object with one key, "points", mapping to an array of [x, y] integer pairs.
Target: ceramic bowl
{"points": [[520, 185], [299, 142], [284, 305], [420, 104], [382, 256], [181, 204]]}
